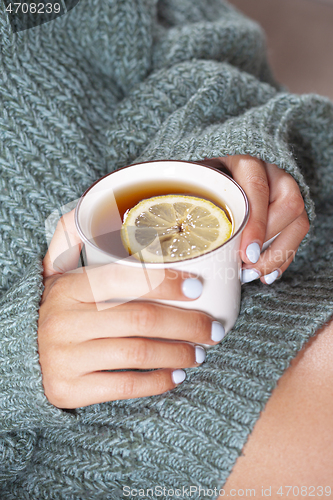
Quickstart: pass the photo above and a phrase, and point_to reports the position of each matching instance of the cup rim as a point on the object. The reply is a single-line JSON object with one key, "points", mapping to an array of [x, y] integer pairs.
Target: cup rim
{"points": [[161, 264]]}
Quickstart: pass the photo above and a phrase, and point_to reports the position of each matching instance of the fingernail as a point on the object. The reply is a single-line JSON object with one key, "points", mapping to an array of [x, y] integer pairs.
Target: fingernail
{"points": [[192, 288], [178, 376], [249, 275], [270, 278], [218, 332], [253, 252], [200, 354]]}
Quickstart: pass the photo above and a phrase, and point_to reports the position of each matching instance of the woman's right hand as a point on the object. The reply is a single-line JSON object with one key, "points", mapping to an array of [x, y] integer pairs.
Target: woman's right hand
{"points": [[81, 337]]}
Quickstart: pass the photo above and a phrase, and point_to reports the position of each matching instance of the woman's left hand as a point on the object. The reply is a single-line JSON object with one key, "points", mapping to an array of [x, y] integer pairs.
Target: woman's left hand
{"points": [[276, 208]]}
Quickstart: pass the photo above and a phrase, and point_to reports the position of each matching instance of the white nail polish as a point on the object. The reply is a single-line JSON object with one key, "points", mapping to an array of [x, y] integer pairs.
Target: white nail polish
{"points": [[249, 275], [253, 252], [178, 376], [270, 278], [218, 332], [200, 354], [192, 288]]}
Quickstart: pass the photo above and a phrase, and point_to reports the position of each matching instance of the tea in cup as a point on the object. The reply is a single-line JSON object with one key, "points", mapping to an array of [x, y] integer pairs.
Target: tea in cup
{"points": [[101, 215]]}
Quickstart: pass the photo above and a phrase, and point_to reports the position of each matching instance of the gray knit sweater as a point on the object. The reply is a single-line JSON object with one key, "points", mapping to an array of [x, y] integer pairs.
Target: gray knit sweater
{"points": [[111, 83]]}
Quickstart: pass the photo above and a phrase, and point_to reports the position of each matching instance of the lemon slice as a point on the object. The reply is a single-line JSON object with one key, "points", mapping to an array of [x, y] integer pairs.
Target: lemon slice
{"points": [[174, 227]]}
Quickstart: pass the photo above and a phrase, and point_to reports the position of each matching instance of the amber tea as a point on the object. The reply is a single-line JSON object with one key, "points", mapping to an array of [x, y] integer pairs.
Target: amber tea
{"points": [[103, 230], [98, 219]]}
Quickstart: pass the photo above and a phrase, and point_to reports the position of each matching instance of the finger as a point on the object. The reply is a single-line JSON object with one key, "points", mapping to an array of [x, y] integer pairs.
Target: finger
{"points": [[114, 281], [250, 173], [138, 319], [284, 266], [64, 251], [215, 163], [135, 353], [286, 201], [282, 250], [100, 387]]}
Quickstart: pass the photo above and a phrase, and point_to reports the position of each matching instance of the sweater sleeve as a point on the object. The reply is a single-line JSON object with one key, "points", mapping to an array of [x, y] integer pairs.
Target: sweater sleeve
{"points": [[23, 406], [22, 400], [238, 107], [211, 93], [204, 109]]}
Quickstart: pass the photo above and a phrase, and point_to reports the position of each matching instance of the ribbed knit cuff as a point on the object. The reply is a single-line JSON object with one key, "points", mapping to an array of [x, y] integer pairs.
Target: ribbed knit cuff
{"points": [[266, 132], [23, 404]]}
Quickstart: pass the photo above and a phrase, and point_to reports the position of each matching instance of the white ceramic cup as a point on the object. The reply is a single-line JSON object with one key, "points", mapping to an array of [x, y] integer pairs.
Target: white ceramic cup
{"points": [[219, 270]]}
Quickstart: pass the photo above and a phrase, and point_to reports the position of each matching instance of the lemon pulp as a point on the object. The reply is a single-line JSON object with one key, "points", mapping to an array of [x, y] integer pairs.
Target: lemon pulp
{"points": [[174, 227]]}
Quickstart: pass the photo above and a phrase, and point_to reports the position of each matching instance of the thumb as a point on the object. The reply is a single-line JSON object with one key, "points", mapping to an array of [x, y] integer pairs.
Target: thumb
{"points": [[65, 247]]}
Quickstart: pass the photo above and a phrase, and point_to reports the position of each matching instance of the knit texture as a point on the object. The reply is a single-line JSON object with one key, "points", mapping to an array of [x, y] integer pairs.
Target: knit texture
{"points": [[109, 84]]}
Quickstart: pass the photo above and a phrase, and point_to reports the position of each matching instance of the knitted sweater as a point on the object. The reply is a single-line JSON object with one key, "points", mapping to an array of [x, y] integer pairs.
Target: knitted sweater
{"points": [[108, 84]]}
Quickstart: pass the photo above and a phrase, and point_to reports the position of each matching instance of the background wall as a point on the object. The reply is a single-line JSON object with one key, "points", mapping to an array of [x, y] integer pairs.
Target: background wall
{"points": [[300, 41]]}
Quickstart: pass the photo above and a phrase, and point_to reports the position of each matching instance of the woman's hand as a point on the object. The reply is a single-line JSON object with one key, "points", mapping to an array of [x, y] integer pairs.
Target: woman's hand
{"points": [[80, 336], [276, 208]]}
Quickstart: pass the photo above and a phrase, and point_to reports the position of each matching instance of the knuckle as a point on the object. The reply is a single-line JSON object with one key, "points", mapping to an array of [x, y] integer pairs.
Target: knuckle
{"points": [[56, 369], [159, 382], [138, 354], [47, 356], [258, 183], [294, 204], [260, 226], [57, 289], [128, 386], [304, 224], [58, 392], [55, 360], [47, 327], [54, 326], [48, 284], [144, 318]]}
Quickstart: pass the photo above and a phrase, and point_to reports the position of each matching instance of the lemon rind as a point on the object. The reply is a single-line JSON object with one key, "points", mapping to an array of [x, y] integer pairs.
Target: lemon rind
{"points": [[143, 254]]}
